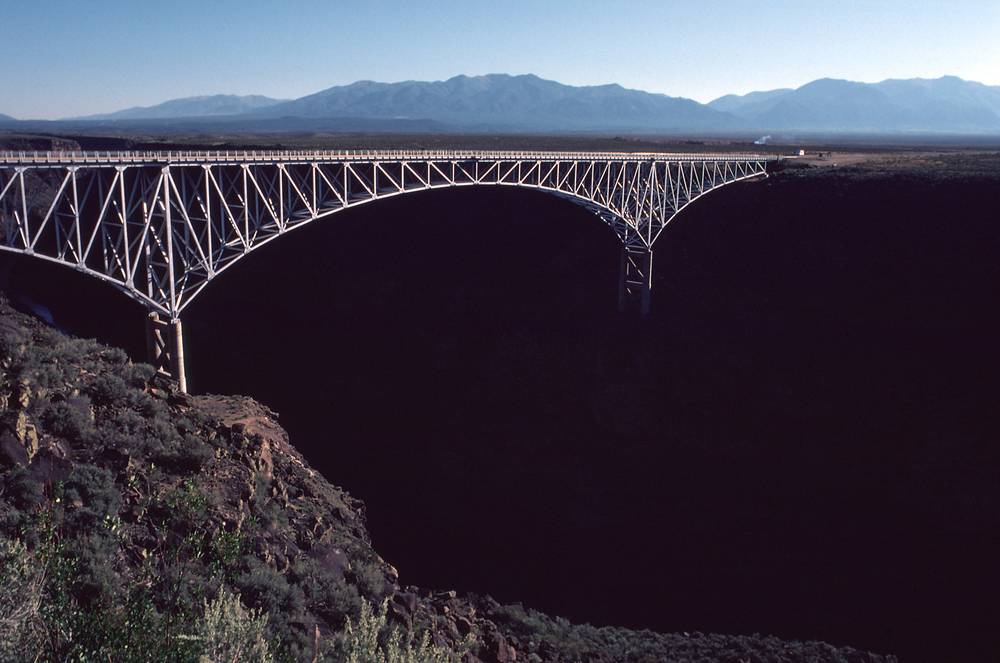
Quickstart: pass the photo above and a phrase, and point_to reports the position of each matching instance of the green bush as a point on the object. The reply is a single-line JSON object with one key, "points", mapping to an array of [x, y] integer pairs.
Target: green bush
{"points": [[21, 490], [22, 578], [12, 343], [97, 582], [368, 576], [373, 640], [182, 455], [187, 502], [91, 497], [230, 633], [327, 592], [109, 389], [265, 587], [70, 420], [225, 549], [138, 376]]}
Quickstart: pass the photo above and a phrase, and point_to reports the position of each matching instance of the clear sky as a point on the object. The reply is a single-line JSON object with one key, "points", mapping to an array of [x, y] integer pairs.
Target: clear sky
{"points": [[61, 58]]}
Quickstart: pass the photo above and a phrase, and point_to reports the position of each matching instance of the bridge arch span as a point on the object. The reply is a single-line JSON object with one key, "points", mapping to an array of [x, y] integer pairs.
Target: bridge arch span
{"points": [[161, 226], [601, 212]]}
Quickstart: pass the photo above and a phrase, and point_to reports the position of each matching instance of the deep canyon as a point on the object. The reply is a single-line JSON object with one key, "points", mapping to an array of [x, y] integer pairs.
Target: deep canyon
{"points": [[800, 440]]}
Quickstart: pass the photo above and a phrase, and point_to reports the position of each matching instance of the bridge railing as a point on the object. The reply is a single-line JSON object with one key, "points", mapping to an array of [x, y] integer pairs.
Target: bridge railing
{"points": [[279, 156]]}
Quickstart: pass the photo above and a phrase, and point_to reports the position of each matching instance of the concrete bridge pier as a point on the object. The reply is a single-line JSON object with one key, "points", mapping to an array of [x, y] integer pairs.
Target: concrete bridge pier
{"points": [[636, 278], [165, 348]]}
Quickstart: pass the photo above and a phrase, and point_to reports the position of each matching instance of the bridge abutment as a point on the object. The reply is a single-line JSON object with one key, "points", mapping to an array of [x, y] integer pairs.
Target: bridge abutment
{"points": [[165, 348], [635, 280]]}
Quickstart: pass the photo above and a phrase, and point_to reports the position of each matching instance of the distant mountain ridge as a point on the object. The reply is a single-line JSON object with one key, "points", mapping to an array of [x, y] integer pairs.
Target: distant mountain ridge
{"points": [[502, 103], [6, 118], [204, 106], [732, 102], [946, 104]]}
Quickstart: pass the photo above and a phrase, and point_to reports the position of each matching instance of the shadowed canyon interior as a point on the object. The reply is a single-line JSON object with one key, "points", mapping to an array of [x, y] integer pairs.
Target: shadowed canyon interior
{"points": [[806, 416]]}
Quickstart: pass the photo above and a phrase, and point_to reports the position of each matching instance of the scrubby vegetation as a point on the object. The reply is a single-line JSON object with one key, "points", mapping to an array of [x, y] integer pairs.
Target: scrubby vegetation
{"points": [[135, 507], [229, 632], [374, 639], [137, 524]]}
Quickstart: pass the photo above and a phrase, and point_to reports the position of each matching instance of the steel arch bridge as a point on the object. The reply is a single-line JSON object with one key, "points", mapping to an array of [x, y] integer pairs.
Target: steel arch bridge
{"points": [[161, 225]]}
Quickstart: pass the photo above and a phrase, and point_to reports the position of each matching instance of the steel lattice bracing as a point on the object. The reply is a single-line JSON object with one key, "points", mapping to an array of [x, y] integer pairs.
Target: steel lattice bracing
{"points": [[160, 226]]}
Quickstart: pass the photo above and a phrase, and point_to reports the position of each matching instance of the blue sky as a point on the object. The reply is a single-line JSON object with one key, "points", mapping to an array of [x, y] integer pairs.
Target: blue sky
{"points": [[61, 58]]}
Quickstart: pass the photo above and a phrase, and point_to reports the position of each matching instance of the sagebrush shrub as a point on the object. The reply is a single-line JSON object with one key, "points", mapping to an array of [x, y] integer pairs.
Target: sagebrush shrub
{"points": [[231, 633], [22, 578], [371, 639]]}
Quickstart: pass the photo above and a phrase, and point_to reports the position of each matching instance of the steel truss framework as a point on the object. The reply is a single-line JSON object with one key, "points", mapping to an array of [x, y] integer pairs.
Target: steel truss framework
{"points": [[161, 226]]}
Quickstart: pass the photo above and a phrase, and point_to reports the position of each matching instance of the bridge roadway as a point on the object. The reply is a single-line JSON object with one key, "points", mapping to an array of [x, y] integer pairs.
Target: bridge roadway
{"points": [[160, 225], [183, 157]]}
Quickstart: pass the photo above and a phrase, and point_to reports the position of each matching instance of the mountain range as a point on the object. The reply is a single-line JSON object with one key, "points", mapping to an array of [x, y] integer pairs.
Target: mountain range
{"points": [[209, 106], [526, 103], [942, 104], [500, 101]]}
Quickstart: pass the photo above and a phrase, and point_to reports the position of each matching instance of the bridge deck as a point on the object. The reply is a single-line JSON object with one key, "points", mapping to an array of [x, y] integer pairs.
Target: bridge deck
{"points": [[109, 158]]}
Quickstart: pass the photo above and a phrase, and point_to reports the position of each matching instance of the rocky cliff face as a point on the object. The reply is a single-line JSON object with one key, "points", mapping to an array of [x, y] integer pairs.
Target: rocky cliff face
{"points": [[141, 503]]}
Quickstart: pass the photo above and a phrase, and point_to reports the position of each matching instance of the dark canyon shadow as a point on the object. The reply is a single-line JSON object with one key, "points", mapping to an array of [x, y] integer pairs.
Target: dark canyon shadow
{"points": [[801, 440]]}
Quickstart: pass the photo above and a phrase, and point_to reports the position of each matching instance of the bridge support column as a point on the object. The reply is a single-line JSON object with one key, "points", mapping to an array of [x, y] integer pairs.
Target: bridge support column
{"points": [[165, 347], [636, 278]]}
